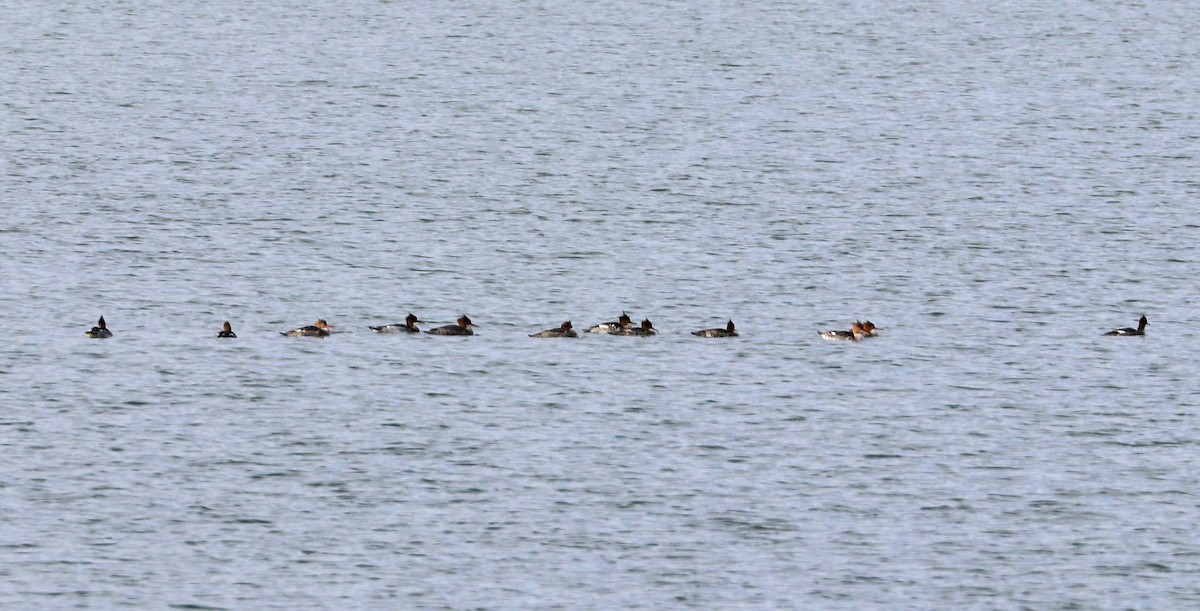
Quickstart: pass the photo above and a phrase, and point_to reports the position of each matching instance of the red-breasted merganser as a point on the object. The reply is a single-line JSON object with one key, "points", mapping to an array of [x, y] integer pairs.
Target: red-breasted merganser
{"points": [[462, 328], [854, 334], [320, 329], [408, 326], [564, 330], [622, 322], [728, 331], [647, 329], [100, 331], [227, 331], [1141, 330], [870, 330]]}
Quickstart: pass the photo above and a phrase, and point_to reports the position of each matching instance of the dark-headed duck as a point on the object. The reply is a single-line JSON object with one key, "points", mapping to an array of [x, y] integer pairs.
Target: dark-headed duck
{"points": [[462, 328], [227, 331], [1140, 330], [622, 322], [320, 329], [647, 329], [728, 331], [100, 331], [563, 330], [409, 326]]}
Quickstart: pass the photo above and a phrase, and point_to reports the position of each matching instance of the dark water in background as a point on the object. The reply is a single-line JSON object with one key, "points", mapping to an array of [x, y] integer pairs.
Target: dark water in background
{"points": [[995, 184]]}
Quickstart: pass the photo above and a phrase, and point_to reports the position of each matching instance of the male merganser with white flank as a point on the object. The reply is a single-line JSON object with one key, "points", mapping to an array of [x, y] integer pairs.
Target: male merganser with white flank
{"points": [[854, 334], [870, 330], [647, 329], [227, 331], [1141, 330], [728, 331], [100, 331], [462, 328], [623, 322], [320, 329], [409, 326], [563, 330]]}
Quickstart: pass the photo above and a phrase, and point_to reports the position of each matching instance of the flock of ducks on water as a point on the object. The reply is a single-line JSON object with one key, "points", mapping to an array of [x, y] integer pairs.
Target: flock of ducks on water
{"points": [[622, 326]]}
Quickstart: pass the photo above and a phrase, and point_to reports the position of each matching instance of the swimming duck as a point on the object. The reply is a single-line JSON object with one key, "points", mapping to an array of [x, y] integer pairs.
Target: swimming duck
{"points": [[622, 322], [320, 329], [462, 328], [227, 331], [564, 330], [647, 329], [854, 334], [409, 326], [728, 331], [100, 331], [1140, 330], [870, 330]]}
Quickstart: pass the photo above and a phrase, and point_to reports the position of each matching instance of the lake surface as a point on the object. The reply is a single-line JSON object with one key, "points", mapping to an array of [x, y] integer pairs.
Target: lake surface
{"points": [[994, 184]]}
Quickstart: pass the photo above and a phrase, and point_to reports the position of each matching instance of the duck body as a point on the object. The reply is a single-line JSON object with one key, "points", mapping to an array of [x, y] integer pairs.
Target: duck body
{"points": [[463, 327], [563, 330], [408, 326], [100, 331], [647, 329], [227, 331], [320, 329], [728, 331], [623, 322], [854, 334], [1140, 330]]}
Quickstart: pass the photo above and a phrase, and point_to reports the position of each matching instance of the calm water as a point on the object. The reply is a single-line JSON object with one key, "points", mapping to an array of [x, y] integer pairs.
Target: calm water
{"points": [[995, 184]]}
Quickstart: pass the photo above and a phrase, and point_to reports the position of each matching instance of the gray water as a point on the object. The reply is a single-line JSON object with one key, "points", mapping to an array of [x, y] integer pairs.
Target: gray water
{"points": [[994, 184]]}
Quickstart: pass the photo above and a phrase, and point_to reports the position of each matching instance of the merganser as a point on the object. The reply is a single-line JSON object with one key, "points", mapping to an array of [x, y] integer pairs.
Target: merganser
{"points": [[728, 331], [226, 331], [870, 330], [462, 328], [854, 334], [647, 329], [320, 329], [623, 322], [1140, 330], [100, 331], [564, 330], [409, 326]]}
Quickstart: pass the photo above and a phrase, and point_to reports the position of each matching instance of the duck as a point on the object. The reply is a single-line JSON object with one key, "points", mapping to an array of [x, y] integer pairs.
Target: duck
{"points": [[462, 328], [563, 330], [408, 326], [870, 330], [227, 331], [728, 331], [319, 329], [100, 331], [1140, 330], [854, 334], [622, 322], [647, 329]]}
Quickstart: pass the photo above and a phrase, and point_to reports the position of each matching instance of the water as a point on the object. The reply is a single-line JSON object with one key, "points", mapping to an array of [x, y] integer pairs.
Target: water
{"points": [[994, 184]]}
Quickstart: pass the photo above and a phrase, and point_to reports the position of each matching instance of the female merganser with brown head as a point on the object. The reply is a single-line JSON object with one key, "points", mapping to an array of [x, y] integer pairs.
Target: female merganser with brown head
{"points": [[623, 322], [100, 331], [870, 330], [854, 334], [227, 331], [409, 326], [462, 328], [1140, 330], [563, 330], [647, 329], [320, 329], [728, 331]]}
